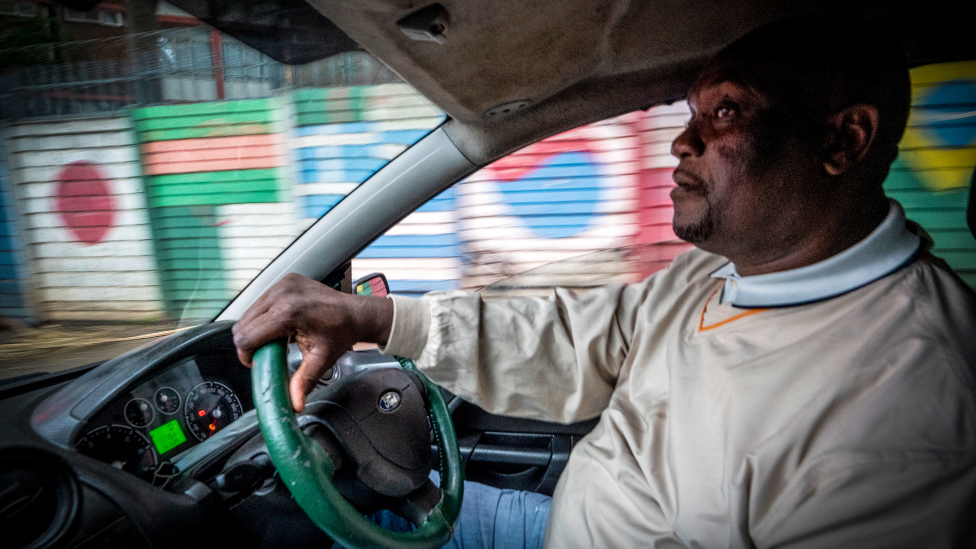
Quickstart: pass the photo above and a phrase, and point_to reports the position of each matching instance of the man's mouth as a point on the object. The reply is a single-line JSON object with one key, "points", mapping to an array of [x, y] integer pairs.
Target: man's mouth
{"points": [[688, 184], [685, 178]]}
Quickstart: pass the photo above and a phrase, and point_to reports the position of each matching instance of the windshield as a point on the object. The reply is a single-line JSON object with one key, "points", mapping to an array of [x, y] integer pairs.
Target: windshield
{"points": [[147, 177]]}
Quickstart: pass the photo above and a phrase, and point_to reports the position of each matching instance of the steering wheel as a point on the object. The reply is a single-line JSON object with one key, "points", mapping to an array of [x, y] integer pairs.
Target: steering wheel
{"points": [[308, 472]]}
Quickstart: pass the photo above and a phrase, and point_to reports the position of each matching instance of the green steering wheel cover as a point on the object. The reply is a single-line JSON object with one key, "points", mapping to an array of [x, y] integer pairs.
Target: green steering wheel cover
{"points": [[307, 471]]}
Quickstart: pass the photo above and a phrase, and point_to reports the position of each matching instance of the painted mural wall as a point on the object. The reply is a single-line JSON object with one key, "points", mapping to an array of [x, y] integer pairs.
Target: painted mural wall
{"points": [[933, 173], [81, 203], [197, 198], [217, 188], [342, 136], [13, 273]]}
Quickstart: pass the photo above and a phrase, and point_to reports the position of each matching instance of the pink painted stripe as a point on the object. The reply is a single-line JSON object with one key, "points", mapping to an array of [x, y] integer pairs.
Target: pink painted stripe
{"points": [[198, 155], [211, 143], [215, 165]]}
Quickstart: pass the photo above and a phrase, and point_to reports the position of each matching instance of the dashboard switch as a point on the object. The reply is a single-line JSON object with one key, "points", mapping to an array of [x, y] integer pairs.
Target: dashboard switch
{"points": [[245, 475]]}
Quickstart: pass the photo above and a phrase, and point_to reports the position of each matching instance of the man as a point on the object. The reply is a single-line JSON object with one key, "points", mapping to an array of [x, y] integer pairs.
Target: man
{"points": [[804, 379]]}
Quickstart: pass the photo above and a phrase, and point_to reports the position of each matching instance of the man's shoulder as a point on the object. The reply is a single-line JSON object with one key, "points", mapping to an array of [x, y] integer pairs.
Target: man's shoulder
{"points": [[693, 265], [942, 300]]}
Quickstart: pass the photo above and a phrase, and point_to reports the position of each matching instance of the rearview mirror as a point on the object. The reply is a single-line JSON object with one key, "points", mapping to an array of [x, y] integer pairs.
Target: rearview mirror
{"points": [[372, 284]]}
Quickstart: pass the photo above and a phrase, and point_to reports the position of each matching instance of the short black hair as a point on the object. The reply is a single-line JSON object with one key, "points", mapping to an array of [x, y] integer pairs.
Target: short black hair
{"points": [[813, 66]]}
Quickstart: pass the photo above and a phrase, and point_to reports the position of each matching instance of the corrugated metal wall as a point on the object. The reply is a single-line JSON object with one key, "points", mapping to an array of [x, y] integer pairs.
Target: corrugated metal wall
{"points": [[222, 202], [217, 188], [932, 175], [84, 212], [567, 195], [343, 136], [13, 272]]}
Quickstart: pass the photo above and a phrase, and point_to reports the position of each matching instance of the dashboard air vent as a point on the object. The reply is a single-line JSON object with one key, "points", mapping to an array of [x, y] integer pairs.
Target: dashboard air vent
{"points": [[39, 498]]}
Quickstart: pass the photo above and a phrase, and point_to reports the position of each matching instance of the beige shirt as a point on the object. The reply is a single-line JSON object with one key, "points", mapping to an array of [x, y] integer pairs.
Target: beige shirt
{"points": [[849, 422]]}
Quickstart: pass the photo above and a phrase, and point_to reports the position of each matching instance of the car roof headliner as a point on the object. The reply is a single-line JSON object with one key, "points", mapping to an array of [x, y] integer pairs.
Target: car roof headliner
{"points": [[579, 61]]}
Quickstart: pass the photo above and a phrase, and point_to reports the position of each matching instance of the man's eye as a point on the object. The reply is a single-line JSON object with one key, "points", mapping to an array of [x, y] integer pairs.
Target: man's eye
{"points": [[724, 112]]}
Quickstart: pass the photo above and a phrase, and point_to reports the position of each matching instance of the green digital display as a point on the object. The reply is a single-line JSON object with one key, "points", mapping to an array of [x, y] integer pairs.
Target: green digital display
{"points": [[167, 436]]}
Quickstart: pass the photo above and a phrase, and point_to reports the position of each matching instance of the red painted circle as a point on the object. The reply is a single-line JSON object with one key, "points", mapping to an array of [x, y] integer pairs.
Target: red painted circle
{"points": [[85, 202]]}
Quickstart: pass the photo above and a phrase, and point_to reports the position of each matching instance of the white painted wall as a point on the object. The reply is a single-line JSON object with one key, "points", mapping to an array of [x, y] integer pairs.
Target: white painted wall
{"points": [[114, 279]]}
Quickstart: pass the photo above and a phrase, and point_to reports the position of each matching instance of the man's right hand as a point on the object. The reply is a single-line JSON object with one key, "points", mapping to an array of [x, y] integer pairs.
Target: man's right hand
{"points": [[323, 322]]}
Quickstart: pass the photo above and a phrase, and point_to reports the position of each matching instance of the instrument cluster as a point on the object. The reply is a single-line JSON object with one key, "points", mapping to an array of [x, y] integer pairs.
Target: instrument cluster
{"points": [[173, 410]]}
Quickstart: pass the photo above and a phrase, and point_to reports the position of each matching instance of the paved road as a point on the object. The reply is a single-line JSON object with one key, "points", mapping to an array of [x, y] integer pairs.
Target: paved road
{"points": [[26, 350]]}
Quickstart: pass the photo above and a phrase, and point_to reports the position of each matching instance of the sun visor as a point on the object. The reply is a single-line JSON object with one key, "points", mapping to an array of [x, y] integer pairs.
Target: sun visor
{"points": [[289, 31]]}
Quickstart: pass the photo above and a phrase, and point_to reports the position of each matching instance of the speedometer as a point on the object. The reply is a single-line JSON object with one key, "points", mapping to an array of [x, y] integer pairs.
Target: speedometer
{"points": [[211, 406], [121, 447]]}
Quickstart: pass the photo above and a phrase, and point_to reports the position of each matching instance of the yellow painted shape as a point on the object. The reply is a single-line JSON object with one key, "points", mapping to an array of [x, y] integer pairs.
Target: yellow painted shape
{"points": [[939, 169], [942, 72]]}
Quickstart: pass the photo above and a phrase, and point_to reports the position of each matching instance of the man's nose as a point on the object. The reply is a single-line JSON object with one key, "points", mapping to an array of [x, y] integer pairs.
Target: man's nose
{"points": [[688, 144]]}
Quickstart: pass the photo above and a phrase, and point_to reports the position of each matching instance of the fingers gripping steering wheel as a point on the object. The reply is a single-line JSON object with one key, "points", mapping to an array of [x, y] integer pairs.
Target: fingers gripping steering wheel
{"points": [[307, 470]]}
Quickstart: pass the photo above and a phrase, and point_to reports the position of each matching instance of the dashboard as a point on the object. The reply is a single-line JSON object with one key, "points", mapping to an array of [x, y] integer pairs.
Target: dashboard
{"points": [[173, 410]]}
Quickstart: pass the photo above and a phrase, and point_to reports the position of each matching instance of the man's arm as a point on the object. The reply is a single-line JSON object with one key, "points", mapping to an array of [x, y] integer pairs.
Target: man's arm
{"points": [[554, 359], [325, 324]]}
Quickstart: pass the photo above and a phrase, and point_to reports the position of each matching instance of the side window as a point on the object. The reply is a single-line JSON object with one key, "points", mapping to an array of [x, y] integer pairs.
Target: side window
{"points": [[580, 209], [591, 206], [932, 175]]}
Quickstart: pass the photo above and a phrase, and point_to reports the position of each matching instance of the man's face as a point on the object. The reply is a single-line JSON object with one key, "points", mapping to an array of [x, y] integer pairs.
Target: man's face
{"points": [[739, 171]]}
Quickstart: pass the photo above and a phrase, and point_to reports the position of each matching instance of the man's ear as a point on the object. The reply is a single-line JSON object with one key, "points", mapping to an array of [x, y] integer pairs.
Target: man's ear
{"points": [[850, 135]]}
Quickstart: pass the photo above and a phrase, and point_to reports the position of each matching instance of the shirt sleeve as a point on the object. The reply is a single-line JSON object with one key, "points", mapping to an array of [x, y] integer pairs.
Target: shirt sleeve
{"points": [[554, 359], [876, 502]]}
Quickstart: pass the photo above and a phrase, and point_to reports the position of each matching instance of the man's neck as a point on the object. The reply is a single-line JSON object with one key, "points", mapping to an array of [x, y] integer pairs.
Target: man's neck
{"points": [[827, 237]]}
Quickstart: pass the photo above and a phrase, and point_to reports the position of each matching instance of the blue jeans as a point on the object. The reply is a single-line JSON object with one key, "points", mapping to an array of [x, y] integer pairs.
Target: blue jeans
{"points": [[490, 519]]}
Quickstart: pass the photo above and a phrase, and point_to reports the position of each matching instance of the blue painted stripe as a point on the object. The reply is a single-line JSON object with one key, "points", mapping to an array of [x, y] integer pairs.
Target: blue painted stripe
{"points": [[535, 184], [437, 205], [317, 205], [400, 252], [334, 176], [354, 163], [529, 211], [376, 130], [543, 197], [8, 271], [449, 239], [421, 286], [336, 151]]}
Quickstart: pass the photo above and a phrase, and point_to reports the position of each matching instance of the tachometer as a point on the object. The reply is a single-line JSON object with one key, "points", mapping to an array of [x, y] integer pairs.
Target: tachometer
{"points": [[139, 413], [121, 447], [167, 400], [211, 406]]}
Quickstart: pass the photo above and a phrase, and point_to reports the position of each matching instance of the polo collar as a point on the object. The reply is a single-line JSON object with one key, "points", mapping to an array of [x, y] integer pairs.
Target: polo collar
{"points": [[889, 247]]}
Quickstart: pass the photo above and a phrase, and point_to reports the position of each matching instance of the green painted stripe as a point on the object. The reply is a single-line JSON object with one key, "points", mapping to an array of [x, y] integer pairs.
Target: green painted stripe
{"points": [[214, 177], [189, 189], [329, 106], [206, 108], [203, 132], [181, 122], [162, 224], [931, 220], [926, 199], [969, 278], [953, 239], [959, 261], [217, 199], [198, 238], [189, 259], [314, 119], [185, 288], [204, 259]]}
